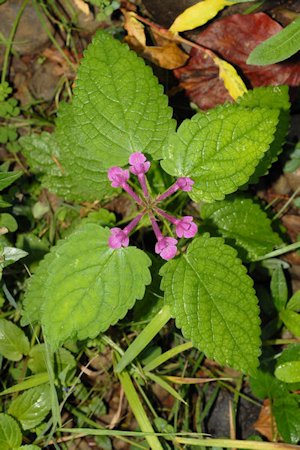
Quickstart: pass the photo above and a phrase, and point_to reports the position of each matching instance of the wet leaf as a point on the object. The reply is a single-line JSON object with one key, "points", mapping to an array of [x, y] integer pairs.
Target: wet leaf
{"points": [[233, 38], [31, 407]]}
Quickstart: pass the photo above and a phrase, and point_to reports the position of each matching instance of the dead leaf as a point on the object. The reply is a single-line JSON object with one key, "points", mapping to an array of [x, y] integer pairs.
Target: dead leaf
{"points": [[233, 38], [166, 55], [198, 14], [265, 423], [134, 28], [232, 81]]}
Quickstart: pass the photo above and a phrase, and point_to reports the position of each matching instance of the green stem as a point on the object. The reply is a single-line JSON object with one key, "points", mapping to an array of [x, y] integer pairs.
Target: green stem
{"points": [[144, 338], [232, 443], [279, 251], [50, 36], [281, 342], [286, 204], [10, 40], [167, 355], [138, 410], [218, 443], [94, 424]]}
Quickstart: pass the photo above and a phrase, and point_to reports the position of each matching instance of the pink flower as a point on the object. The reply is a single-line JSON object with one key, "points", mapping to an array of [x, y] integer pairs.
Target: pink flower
{"points": [[185, 227], [118, 238], [166, 247], [185, 184], [118, 176], [138, 163]]}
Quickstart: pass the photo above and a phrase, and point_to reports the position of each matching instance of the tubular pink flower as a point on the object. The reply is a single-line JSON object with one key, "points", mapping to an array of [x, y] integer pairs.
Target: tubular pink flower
{"points": [[139, 166], [166, 247], [118, 238], [185, 184], [138, 163], [118, 176], [185, 227]]}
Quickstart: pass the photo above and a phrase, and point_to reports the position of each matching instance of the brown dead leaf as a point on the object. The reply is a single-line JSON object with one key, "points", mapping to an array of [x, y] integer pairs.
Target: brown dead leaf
{"points": [[166, 55], [265, 423], [233, 38]]}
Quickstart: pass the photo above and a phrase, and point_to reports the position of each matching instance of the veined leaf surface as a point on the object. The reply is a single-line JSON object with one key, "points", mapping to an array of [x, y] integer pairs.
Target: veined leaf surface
{"points": [[245, 222], [213, 301], [220, 149], [87, 286], [118, 108]]}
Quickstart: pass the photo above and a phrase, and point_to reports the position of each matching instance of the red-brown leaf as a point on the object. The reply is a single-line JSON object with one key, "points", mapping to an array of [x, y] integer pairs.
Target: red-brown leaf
{"points": [[233, 38]]}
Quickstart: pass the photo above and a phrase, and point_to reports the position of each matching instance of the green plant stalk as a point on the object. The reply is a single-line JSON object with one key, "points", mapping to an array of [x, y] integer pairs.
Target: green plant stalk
{"points": [[138, 410], [218, 443], [145, 337], [167, 355], [56, 418], [279, 251], [232, 443], [10, 39], [287, 204], [52, 39], [94, 424], [30, 382], [165, 385]]}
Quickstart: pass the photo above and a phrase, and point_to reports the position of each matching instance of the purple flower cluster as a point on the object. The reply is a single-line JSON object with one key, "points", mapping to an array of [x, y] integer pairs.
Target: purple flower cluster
{"points": [[166, 246]]}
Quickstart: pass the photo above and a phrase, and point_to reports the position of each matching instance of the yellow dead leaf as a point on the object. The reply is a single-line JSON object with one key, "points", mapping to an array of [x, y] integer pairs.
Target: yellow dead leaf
{"points": [[198, 14], [232, 81], [134, 28]]}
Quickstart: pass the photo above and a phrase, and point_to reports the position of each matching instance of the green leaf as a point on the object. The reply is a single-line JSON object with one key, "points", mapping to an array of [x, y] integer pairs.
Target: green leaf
{"points": [[243, 221], [35, 380], [220, 149], [264, 384], [287, 368], [7, 178], [62, 360], [294, 163], [11, 255], [51, 163], [274, 98], [84, 287], [294, 302], [291, 320], [10, 433], [35, 292], [279, 288], [31, 407], [13, 342], [118, 108], [29, 447], [214, 303], [9, 222], [278, 47], [287, 414], [288, 372]]}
